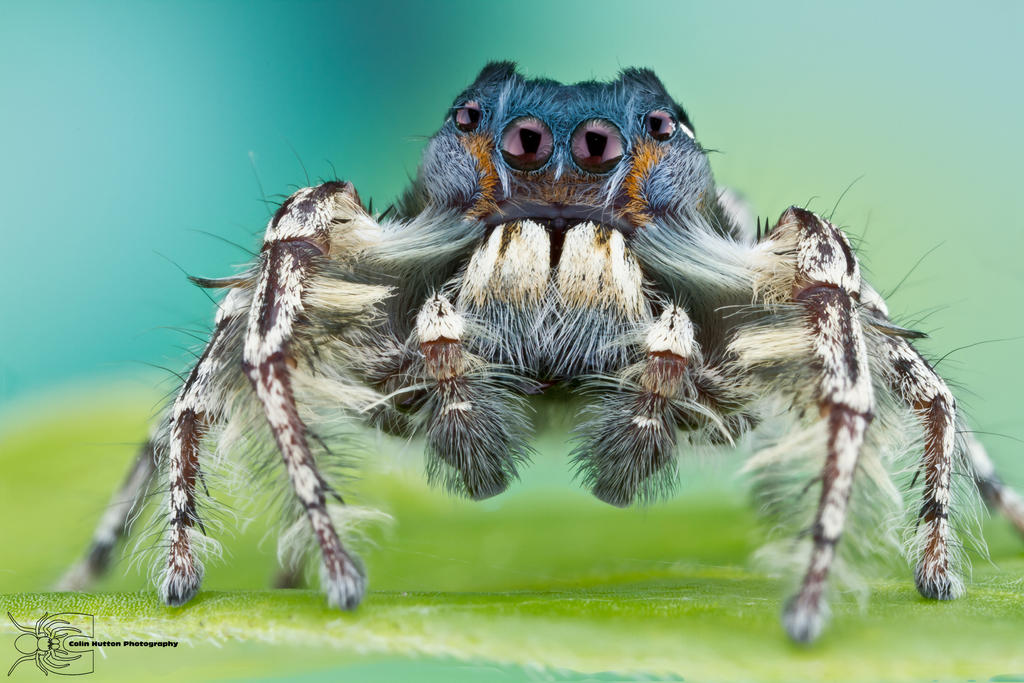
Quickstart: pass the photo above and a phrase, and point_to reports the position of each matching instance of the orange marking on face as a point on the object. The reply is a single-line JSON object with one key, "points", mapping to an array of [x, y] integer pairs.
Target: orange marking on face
{"points": [[482, 149], [646, 155]]}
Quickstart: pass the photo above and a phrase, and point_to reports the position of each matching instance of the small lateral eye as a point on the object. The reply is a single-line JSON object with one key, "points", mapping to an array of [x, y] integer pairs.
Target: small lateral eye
{"points": [[526, 143], [661, 125], [467, 117], [597, 145]]}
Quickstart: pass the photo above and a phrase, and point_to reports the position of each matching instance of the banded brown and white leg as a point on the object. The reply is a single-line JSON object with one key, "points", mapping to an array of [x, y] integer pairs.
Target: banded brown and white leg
{"points": [[993, 489], [814, 269], [475, 426], [630, 442], [917, 384], [298, 235], [914, 381], [113, 524], [198, 403]]}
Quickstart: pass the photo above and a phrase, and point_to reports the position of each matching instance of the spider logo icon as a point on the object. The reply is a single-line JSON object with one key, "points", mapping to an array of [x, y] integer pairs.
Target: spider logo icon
{"points": [[49, 644]]}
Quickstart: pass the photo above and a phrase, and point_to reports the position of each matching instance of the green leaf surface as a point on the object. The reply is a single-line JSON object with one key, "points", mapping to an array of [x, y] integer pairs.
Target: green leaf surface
{"points": [[543, 582]]}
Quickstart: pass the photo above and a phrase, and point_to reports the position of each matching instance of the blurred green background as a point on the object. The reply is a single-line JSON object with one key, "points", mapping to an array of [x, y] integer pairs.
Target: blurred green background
{"points": [[131, 130]]}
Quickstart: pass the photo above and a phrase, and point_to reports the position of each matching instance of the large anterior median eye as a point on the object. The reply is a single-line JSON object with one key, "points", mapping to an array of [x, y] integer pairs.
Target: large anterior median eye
{"points": [[526, 143], [597, 145], [467, 117]]}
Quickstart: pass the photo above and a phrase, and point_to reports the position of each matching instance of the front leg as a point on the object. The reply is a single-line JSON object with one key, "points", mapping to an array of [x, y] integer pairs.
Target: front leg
{"points": [[299, 234], [301, 302], [811, 267]]}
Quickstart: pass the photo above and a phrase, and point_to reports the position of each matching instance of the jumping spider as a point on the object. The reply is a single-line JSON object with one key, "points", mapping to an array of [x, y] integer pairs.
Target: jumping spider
{"points": [[569, 235]]}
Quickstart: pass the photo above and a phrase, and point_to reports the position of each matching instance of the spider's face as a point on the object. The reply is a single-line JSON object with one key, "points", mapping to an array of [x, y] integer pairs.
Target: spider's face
{"points": [[617, 153]]}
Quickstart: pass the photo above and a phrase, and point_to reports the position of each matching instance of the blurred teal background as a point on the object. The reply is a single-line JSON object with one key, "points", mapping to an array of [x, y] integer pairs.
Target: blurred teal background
{"points": [[130, 132], [128, 129]]}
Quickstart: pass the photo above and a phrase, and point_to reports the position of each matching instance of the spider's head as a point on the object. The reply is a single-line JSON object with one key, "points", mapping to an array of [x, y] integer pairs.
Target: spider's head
{"points": [[617, 153]]}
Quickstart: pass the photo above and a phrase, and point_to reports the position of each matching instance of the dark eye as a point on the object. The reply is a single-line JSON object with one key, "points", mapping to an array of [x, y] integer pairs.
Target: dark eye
{"points": [[467, 117], [661, 125], [526, 143], [597, 145]]}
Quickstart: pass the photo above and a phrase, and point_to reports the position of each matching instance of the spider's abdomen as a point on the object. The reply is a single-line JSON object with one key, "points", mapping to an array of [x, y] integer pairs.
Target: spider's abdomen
{"points": [[553, 295]]}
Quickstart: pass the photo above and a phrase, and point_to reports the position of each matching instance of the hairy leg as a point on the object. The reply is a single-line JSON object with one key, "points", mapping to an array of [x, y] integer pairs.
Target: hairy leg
{"points": [[113, 524], [475, 427], [629, 444], [917, 384], [196, 404], [300, 300], [298, 235], [810, 267], [995, 492]]}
